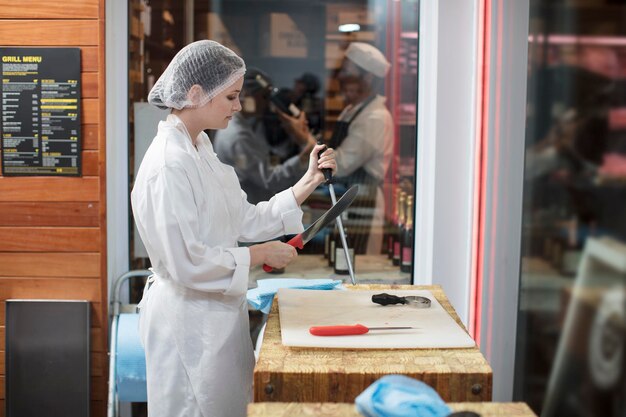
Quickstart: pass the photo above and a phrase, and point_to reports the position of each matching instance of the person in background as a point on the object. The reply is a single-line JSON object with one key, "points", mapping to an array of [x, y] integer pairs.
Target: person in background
{"points": [[567, 150], [363, 137], [191, 212], [351, 90], [304, 96], [244, 146]]}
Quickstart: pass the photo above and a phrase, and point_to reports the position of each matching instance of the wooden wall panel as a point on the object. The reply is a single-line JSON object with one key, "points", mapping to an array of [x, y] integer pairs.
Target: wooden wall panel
{"points": [[49, 189], [50, 288], [90, 161], [46, 9], [53, 229], [89, 84], [50, 265], [90, 137], [48, 239], [85, 214], [90, 59], [99, 363], [90, 111], [49, 32]]}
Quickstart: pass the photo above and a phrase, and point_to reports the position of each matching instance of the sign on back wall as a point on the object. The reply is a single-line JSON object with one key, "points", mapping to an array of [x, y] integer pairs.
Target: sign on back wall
{"points": [[40, 125]]}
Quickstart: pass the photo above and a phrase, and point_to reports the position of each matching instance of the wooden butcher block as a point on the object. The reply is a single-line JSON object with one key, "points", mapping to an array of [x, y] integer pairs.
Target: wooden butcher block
{"points": [[313, 374], [349, 410]]}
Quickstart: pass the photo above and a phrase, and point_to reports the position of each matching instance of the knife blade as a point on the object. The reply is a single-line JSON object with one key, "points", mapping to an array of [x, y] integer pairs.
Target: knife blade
{"points": [[324, 220], [348, 330]]}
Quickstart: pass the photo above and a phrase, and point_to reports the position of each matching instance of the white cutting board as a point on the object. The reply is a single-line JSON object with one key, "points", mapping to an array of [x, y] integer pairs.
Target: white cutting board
{"points": [[301, 309]]}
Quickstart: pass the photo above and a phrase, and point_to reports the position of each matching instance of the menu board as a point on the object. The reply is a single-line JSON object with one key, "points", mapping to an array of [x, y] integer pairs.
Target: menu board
{"points": [[40, 126]]}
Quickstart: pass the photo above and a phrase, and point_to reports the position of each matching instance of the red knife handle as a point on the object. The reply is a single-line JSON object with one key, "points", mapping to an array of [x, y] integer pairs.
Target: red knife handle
{"points": [[295, 241], [338, 330]]}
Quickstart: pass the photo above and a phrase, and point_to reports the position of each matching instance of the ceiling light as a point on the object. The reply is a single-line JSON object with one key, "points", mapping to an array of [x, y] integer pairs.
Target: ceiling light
{"points": [[349, 27]]}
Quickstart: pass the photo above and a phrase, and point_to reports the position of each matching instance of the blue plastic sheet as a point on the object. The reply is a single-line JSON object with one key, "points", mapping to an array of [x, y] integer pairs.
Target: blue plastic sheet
{"points": [[400, 396], [130, 366], [261, 297]]}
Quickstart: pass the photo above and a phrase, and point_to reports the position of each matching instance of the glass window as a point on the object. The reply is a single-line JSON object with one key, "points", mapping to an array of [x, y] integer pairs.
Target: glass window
{"points": [[571, 323], [295, 53]]}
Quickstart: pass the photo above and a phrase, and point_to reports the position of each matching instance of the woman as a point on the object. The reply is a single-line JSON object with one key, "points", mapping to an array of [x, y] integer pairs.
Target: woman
{"points": [[191, 212]]}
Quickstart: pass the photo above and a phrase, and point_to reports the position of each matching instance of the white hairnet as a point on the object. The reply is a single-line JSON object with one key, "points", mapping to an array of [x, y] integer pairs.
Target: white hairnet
{"points": [[369, 58], [206, 63]]}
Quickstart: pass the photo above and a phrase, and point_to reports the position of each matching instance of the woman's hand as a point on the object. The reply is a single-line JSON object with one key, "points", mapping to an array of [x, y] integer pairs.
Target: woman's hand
{"points": [[314, 175], [275, 254], [318, 161]]}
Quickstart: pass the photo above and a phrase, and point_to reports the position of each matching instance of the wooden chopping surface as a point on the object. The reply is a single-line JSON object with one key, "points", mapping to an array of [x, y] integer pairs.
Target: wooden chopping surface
{"points": [[301, 309]]}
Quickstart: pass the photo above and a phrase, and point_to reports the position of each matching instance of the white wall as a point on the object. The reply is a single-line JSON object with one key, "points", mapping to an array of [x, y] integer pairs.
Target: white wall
{"points": [[446, 148], [503, 206], [116, 55], [446, 162]]}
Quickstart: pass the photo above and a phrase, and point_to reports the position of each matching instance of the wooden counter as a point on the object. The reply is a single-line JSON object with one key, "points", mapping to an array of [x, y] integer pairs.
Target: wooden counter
{"points": [[290, 374], [348, 410]]}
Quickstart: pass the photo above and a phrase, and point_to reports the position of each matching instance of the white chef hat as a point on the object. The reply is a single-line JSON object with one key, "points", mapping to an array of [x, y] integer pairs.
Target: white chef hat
{"points": [[368, 58], [206, 63]]}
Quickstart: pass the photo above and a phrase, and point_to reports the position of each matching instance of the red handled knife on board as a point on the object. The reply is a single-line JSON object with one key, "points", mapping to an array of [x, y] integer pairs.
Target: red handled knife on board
{"points": [[349, 330]]}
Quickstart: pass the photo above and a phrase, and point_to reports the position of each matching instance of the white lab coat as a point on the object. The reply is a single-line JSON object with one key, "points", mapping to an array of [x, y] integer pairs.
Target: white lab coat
{"points": [[190, 212], [369, 144]]}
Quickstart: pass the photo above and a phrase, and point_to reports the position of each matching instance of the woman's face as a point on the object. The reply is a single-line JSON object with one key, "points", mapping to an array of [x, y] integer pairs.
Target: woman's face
{"points": [[220, 110]]}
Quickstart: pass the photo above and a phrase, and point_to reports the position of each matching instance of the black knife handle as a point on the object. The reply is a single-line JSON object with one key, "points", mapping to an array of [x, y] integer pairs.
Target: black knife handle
{"points": [[386, 299], [328, 173]]}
